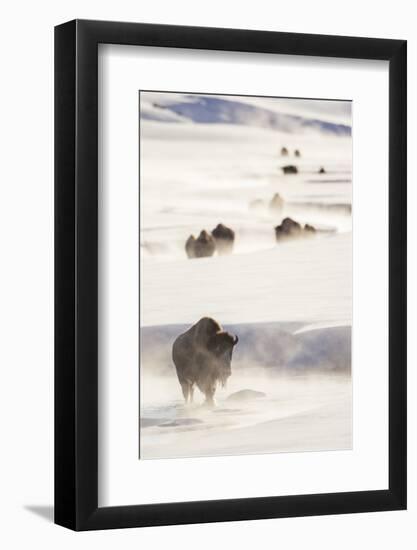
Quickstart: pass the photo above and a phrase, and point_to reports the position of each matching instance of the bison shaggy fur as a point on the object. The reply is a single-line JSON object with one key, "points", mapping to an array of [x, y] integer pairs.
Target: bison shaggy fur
{"points": [[202, 357]]}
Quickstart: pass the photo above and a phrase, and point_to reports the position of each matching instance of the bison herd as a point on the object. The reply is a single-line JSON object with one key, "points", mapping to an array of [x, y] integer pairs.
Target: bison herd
{"points": [[202, 355], [292, 168], [222, 238], [285, 152]]}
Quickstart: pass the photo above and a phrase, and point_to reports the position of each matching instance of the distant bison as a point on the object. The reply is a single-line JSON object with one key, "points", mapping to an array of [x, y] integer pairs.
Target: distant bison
{"points": [[289, 228], [276, 204], [224, 238], [309, 228], [289, 169], [202, 247], [322, 170], [297, 153], [189, 246], [202, 356], [284, 152]]}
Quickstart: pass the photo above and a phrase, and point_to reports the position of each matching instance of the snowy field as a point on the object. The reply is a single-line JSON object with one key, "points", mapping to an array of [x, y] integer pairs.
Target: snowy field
{"points": [[205, 162]]}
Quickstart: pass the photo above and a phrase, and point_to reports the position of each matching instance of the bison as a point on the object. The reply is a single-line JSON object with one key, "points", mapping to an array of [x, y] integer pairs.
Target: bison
{"points": [[189, 246], [288, 228], [284, 152], [309, 229], [297, 153], [289, 169], [322, 170], [276, 204], [224, 238], [202, 356], [202, 247]]}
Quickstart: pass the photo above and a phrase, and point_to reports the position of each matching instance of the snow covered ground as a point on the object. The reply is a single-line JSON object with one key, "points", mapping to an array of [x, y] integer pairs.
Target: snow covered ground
{"points": [[290, 303], [297, 413]]}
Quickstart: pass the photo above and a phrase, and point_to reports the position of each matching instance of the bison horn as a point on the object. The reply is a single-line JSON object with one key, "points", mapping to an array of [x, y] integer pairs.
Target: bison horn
{"points": [[235, 340]]}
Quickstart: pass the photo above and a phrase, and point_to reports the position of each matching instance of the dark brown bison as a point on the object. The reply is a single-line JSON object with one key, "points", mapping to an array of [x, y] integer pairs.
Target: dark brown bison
{"points": [[322, 170], [276, 204], [288, 228], [309, 229], [224, 238], [189, 246], [202, 356], [289, 169], [297, 153], [284, 152], [202, 247]]}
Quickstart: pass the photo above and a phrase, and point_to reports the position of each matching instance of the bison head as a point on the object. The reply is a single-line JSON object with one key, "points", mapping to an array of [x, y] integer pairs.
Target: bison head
{"points": [[220, 346]]}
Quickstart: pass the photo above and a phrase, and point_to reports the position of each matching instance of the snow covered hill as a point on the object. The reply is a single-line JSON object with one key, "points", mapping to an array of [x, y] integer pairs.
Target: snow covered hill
{"points": [[206, 109]]}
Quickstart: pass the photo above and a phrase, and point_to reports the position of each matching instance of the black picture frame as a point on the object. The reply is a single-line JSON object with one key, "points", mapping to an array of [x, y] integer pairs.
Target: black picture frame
{"points": [[76, 273]]}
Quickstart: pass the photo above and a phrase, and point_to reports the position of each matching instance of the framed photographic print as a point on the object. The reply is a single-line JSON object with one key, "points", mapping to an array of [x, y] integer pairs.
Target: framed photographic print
{"points": [[230, 251]]}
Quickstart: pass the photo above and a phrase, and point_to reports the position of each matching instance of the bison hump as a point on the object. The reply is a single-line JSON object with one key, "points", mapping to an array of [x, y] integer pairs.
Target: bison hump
{"points": [[204, 329]]}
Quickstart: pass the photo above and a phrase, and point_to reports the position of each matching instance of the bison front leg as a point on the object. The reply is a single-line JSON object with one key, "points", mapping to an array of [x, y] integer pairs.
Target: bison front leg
{"points": [[186, 391]]}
